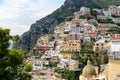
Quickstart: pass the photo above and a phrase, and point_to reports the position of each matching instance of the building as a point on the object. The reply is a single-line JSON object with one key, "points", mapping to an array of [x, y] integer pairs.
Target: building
{"points": [[68, 48], [76, 15], [113, 69], [92, 21], [43, 40], [47, 54], [100, 45], [102, 28], [58, 30], [93, 34], [85, 11], [115, 36], [116, 20], [89, 30], [62, 65], [67, 37], [68, 64], [90, 72], [42, 44], [114, 48], [86, 39], [73, 65], [77, 30], [102, 17], [77, 26], [71, 45], [116, 11], [107, 13], [68, 26], [38, 64]]}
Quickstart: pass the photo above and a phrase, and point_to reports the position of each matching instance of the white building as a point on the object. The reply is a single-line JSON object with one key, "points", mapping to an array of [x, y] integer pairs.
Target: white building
{"points": [[86, 39], [85, 11], [114, 49], [76, 15], [68, 26], [101, 44], [107, 13], [38, 64], [115, 46], [77, 30], [62, 65], [116, 20], [48, 54], [68, 64], [115, 10]]}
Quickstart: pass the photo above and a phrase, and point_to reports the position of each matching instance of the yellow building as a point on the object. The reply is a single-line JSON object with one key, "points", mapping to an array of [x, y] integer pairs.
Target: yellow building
{"points": [[67, 37], [69, 48], [43, 40]]}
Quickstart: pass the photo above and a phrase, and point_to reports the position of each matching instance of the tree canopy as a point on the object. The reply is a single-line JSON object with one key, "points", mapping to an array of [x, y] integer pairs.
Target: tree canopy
{"points": [[11, 61], [28, 67]]}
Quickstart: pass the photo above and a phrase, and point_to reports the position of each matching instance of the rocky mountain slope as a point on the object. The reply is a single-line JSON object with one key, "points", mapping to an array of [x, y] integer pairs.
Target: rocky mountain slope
{"points": [[46, 24]]}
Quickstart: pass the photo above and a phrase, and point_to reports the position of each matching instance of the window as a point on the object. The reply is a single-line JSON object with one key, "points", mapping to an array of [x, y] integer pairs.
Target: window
{"points": [[102, 48], [97, 44], [75, 44], [102, 44], [37, 65], [97, 48], [69, 44]]}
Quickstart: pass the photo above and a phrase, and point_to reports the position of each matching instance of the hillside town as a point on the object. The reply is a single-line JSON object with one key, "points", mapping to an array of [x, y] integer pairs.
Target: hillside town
{"points": [[87, 43]]}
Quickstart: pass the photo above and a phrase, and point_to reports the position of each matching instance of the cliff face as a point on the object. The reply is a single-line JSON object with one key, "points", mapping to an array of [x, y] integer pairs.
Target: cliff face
{"points": [[46, 24]]}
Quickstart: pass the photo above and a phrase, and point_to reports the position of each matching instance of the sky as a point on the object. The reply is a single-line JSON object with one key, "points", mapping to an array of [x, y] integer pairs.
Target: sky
{"points": [[18, 15]]}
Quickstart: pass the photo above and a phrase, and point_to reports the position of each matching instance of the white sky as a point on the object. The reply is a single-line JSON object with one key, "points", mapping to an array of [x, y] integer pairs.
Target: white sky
{"points": [[18, 15]]}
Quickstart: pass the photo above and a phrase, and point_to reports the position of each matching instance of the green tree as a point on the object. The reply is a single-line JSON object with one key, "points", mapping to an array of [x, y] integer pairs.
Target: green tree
{"points": [[53, 64], [15, 38], [11, 61], [94, 13], [28, 67], [16, 41], [95, 24], [69, 18], [66, 74]]}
